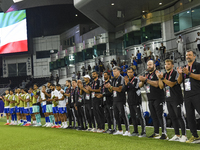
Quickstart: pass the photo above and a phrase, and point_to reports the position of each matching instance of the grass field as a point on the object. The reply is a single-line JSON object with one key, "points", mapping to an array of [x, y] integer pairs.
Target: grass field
{"points": [[38, 138]]}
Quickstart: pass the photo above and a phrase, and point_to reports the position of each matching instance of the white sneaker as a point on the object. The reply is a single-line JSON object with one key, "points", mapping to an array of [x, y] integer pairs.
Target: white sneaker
{"points": [[45, 125], [183, 138], [65, 126], [127, 133], [94, 129], [118, 133], [157, 136], [175, 138], [100, 130]]}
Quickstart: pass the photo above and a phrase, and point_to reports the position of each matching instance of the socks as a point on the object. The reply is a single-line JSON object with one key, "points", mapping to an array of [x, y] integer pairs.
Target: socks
{"points": [[8, 121], [25, 121], [38, 118], [59, 122], [56, 123], [15, 116], [51, 119], [47, 119], [21, 120]]}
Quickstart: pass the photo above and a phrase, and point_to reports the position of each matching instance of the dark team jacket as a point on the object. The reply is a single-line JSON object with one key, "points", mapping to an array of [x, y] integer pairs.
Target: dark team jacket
{"points": [[195, 84], [175, 91], [155, 92], [67, 91], [96, 85], [117, 82], [37, 93], [48, 92], [133, 91], [107, 96], [86, 96], [78, 99]]}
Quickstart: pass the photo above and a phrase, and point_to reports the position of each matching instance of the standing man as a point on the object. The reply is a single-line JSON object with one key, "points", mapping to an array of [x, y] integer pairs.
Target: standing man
{"points": [[198, 40], [190, 77], [162, 51], [88, 102], [139, 55], [156, 100], [134, 101], [12, 107], [119, 100], [97, 102], [108, 104], [180, 45], [174, 99]]}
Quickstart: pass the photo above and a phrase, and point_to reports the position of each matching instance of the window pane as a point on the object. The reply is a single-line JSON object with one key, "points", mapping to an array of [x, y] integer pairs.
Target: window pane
{"points": [[71, 59], [132, 38], [182, 21], [22, 69], [195, 16], [12, 70]]}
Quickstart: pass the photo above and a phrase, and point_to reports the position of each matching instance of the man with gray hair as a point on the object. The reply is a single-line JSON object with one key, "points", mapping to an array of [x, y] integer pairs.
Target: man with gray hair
{"points": [[119, 101]]}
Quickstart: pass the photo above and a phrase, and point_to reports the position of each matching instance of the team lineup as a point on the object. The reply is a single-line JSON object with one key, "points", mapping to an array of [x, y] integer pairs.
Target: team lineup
{"points": [[90, 102]]}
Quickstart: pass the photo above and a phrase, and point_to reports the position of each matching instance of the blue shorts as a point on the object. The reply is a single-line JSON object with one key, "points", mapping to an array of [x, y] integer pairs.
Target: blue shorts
{"points": [[17, 110], [55, 110], [62, 110], [21, 110], [26, 111], [44, 109], [30, 110], [12, 110], [6, 110]]}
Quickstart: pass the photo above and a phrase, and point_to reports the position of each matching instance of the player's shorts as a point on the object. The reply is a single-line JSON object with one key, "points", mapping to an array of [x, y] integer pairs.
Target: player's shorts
{"points": [[12, 110], [21, 110], [6, 110], [44, 109], [30, 110], [55, 110], [49, 108], [26, 111], [62, 110], [36, 109]]}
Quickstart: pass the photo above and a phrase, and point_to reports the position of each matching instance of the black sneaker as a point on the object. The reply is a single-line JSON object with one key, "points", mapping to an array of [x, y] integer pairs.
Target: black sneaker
{"points": [[112, 131], [135, 134], [109, 131], [142, 135], [164, 137], [154, 135], [69, 127], [105, 131]]}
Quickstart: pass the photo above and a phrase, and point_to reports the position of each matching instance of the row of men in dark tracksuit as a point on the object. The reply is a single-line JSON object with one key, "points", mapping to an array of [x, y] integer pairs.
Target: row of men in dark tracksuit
{"points": [[87, 102]]}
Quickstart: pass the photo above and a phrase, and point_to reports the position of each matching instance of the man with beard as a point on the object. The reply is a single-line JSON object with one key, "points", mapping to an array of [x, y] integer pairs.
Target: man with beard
{"points": [[87, 101], [49, 110], [119, 100], [174, 99], [190, 76], [134, 101], [108, 104], [156, 100], [97, 102]]}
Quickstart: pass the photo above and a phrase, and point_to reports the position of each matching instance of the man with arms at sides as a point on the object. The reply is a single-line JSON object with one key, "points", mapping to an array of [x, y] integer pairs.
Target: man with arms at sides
{"points": [[43, 105], [119, 100], [21, 107], [108, 104], [132, 87], [190, 77], [6, 106], [49, 109], [156, 100], [54, 97], [174, 99], [62, 110], [36, 105], [97, 102], [30, 91], [88, 102]]}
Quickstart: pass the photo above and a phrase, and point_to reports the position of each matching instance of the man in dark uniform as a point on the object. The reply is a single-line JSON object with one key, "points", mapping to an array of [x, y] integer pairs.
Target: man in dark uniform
{"points": [[97, 102], [156, 100], [134, 101], [88, 102], [174, 99], [119, 101], [190, 76], [108, 104]]}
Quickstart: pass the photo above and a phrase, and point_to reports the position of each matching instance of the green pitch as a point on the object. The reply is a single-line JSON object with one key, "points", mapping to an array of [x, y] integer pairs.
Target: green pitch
{"points": [[39, 138]]}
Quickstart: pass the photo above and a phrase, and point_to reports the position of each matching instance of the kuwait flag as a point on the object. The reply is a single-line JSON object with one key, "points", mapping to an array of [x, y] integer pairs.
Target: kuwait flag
{"points": [[13, 32]]}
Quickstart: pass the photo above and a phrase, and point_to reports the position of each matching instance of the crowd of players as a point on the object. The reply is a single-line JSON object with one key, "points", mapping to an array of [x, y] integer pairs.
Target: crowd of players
{"points": [[86, 103]]}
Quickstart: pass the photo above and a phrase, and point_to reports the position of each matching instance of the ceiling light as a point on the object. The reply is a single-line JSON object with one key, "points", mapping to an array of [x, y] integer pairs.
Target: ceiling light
{"points": [[76, 15], [143, 11], [112, 4], [160, 3], [188, 12]]}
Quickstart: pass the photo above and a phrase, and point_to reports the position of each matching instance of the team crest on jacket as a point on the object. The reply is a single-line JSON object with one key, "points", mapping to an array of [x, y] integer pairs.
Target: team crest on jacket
{"points": [[193, 70]]}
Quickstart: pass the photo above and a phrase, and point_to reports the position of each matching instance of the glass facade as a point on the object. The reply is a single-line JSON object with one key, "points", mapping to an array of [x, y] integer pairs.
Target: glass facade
{"points": [[79, 57], [151, 32], [132, 38], [187, 19]]}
